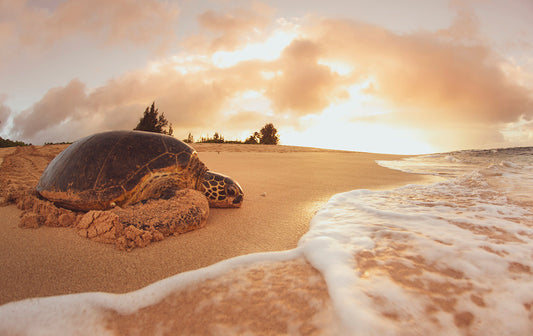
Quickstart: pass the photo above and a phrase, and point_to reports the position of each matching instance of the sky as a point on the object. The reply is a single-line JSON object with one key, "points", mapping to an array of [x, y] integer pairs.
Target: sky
{"points": [[387, 76]]}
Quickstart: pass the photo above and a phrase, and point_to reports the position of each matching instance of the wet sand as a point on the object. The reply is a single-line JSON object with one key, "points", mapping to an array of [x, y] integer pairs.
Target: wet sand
{"points": [[284, 186]]}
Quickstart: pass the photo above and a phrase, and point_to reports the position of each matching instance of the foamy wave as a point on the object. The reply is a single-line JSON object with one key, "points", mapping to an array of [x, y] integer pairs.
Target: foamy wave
{"points": [[451, 258], [88, 313]]}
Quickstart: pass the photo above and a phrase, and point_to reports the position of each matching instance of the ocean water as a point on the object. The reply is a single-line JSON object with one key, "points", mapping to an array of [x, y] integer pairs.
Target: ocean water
{"points": [[450, 258]]}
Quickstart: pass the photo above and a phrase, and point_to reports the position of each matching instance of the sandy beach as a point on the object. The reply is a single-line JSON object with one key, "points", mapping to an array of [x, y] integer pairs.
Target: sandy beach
{"points": [[284, 186]]}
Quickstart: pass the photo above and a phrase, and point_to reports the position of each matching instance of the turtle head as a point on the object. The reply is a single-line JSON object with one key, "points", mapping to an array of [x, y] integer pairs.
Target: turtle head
{"points": [[221, 191]]}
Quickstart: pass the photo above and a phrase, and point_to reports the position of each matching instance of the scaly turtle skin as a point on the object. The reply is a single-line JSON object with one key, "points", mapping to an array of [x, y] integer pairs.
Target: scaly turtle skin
{"points": [[125, 167]]}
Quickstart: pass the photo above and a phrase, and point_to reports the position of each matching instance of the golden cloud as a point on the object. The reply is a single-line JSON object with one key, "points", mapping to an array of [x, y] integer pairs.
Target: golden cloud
{"points": [[426, 78], [304, 86]]}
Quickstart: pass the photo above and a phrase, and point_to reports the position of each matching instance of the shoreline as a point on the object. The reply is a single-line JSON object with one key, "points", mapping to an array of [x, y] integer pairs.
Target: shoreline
{"points": [[284, 186]]}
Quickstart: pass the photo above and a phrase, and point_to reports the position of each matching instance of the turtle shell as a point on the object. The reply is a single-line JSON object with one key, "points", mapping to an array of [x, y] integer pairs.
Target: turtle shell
{"points": [[117, 168]]}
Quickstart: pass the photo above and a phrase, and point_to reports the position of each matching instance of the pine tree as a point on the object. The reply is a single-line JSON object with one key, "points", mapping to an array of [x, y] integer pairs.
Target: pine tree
{"points": [[152, 121]]}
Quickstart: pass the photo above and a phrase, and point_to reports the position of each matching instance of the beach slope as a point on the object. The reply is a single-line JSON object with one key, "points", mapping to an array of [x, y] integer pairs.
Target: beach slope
{"points": [[284, 187]]}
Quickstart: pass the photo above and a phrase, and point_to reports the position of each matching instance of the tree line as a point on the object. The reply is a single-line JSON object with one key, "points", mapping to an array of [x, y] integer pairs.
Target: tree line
{"points": [[152, 121], [11, 143], [268, 135]]}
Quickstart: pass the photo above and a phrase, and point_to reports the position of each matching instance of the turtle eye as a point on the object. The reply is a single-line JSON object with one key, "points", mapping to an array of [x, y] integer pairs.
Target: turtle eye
{"points": [[230, 192]]}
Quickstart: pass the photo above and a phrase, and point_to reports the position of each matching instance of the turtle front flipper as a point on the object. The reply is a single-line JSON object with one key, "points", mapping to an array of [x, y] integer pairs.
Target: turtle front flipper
{"points": [[139, 224]]}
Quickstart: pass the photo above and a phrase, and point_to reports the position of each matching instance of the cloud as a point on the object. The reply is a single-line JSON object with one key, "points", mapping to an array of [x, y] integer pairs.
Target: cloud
{"points": [[107, 22], [241, 125], [465, 26], [449, 83], [188, 100], [223, 31], [429, 81], [114, 21], [304, 86], [520, 132], [5, 111], [58, 106]]}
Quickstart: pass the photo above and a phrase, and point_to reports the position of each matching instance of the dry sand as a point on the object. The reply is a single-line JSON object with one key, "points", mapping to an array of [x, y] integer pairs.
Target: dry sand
{"points": [[284, 186]]}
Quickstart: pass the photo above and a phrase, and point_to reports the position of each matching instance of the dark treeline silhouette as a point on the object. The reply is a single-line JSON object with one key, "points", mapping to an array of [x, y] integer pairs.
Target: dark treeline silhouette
{"points": [[268, 135], [58, 143], [152, 121], [217, 138]]}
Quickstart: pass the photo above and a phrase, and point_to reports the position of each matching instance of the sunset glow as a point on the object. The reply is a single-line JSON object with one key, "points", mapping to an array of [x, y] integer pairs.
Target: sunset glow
{"points": [[268, 50], [349, 79]]}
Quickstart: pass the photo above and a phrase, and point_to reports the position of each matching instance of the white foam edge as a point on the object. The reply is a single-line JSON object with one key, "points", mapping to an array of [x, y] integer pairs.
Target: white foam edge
{"points": [[333, 256], [400, 165], [83, 313]]}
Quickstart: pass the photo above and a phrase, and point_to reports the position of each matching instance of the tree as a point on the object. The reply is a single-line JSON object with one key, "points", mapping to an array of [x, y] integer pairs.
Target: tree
{"points": [[269, 135], [152, 121], [253, 139], [190, 138]]}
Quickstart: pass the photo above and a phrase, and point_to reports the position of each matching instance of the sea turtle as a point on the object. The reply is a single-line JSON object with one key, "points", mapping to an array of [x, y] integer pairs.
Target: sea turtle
{"points": [[121, 168]]}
